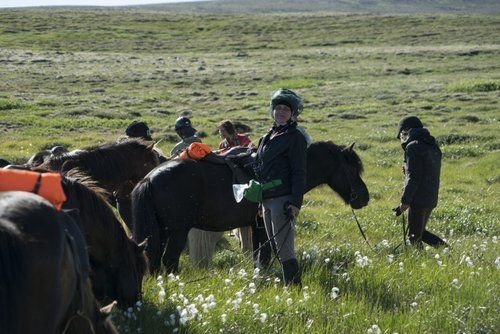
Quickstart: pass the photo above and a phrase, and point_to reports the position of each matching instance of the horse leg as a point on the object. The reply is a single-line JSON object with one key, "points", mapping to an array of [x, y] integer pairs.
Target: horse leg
{"points": [[259, 237], [175, 244], [202, 246], [245, 236]]}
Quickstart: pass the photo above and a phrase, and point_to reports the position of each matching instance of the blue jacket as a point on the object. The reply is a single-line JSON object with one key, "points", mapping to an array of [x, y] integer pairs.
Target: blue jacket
{"points": [[422, 169]]}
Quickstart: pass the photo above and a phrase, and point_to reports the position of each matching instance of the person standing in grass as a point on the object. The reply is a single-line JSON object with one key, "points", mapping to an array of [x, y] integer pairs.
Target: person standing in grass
{"points": [[231, 138], [422, 168], [184, 129], [281, 162]]}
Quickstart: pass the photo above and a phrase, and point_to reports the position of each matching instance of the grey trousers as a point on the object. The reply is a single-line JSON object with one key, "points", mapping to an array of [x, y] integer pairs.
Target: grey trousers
{"points": [[274, 219]]}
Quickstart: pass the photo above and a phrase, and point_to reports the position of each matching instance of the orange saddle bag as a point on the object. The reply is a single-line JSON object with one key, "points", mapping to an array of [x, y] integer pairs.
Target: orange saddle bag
{"points": [[196, 151], [47, 185]]}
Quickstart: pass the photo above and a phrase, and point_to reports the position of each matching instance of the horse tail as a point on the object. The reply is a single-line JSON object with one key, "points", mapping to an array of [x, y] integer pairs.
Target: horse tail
{"points": [[11, 276], [145, 222]]}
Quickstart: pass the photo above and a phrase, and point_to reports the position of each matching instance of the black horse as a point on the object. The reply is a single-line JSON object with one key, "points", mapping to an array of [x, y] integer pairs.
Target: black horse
{"points": [[182, 193], [44, 284]]}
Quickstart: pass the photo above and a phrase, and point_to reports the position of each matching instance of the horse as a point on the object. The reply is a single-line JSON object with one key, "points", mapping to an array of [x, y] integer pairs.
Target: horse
{"points": [[118, 264], [181, 194], [44, 285], [116, 167]]}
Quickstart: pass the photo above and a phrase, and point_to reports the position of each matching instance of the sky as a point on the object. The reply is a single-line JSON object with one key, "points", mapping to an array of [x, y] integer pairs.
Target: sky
{"points": [[32, 3]]}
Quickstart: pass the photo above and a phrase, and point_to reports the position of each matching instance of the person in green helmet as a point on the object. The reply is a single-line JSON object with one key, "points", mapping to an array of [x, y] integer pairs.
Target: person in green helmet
{"points": [[281, 155]]}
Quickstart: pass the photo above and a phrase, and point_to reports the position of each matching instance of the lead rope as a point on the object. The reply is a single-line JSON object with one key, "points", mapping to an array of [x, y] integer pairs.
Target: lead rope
{"points": [[361, 231]]}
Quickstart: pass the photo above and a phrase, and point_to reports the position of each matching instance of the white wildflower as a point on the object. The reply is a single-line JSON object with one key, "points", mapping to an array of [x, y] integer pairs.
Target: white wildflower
{"points": [[263, 317], [374, 330], [390, 258], [335, 293], [223, 317], [277, 298], [228, 282], [289, 301]]}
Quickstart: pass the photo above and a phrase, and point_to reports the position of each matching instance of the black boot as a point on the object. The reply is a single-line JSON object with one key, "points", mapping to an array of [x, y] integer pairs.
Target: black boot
{"points": [[291, 272]]}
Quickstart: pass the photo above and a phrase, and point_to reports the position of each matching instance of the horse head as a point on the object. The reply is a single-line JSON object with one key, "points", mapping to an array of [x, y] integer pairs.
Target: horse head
{"points": [[339, 167], [129, 283]]}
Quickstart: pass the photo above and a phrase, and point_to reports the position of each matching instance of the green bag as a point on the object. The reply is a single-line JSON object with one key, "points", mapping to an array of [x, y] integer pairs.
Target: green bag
{"points": [[253, 190]]}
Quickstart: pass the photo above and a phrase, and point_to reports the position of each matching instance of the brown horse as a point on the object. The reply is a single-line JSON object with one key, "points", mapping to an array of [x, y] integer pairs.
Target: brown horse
{"points": [[44, 285], [118, 263], [116, 167], [181, 194]]}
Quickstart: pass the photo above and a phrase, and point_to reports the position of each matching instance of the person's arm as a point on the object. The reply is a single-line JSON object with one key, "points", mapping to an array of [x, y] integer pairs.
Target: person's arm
{"points": [[297, 154], [414, 173]]}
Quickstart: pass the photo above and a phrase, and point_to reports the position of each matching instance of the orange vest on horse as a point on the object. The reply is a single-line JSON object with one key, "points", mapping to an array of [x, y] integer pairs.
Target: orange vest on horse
{"points": [[46, 185]]}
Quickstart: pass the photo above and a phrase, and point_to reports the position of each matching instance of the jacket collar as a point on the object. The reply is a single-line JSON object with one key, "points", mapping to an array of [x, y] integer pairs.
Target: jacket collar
{"points": [[418, 134]]}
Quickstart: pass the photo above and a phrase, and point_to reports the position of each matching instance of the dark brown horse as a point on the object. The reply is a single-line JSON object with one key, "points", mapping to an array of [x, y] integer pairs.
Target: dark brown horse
{"points": [[182, 193], [44, 285], [116, 167], [118, 263]]}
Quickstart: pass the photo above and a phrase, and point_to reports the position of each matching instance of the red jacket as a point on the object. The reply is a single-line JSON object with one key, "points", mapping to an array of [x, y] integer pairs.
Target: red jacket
{"points": [[243, 140]]}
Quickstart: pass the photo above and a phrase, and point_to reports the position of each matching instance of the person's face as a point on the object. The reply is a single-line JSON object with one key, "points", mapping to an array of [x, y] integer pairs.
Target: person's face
{"points": [[223, 132], [282, 114], [403, 136]]}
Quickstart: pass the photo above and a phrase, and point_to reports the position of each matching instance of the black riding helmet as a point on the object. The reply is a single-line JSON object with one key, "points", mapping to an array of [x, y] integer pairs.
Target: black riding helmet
{"points": [[407, 123], [289, 98], [138, 129], [184, 127]]}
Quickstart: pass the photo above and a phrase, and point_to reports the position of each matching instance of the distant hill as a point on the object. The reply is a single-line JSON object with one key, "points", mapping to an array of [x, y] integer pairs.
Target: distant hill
{"points": [[341, 6]]}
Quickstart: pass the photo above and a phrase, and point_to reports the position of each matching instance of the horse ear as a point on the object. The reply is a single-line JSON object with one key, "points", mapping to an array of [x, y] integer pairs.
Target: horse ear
{"points": [[350, 147], [106, 310], [142, 246]]}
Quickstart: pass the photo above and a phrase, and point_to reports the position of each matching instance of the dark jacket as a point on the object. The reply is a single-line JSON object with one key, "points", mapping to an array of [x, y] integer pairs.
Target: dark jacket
{"points": [[422, 169], [282, 155]]}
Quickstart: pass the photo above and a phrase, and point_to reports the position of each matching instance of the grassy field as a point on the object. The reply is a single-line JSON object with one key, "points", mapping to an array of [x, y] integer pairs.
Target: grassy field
{"points": [[78, 77]]}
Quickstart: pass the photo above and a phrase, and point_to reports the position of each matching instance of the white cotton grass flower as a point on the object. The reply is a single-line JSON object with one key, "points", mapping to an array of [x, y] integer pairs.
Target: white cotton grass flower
{"points": [[454, 284], [390, 258], [414, 305], [362, 261], [385, 243], [327, 260], [401, 266], [497, 262], [223, 317], [161, 295], [494, 239], [255, 308], [289, 301], [242, 273], [228, 282], [256, 273], [469, 262], [334, 294], [277, 298], [263, 317], [252, 288], [374, 330]]}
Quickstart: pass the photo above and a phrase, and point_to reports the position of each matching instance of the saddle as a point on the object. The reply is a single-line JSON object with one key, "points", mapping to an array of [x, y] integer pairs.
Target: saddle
{"points": [[239, 160], [46, 185]]}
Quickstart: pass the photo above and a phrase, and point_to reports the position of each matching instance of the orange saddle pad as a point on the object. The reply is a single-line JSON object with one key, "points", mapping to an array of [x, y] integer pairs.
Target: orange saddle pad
{"points": [[47, 185]]}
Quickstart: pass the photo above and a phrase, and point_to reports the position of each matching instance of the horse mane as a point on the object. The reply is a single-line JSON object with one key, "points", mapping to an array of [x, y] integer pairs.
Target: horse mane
{"points": [[335, 149], [93, 203], [110, 161], [11, 274]]}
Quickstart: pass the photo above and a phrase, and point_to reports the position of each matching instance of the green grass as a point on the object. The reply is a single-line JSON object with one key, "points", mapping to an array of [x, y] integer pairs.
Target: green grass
{"points": [[78, 77]]}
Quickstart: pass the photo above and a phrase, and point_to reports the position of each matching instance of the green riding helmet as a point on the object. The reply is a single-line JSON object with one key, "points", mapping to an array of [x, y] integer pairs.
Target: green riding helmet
{"points": [[288, 98]]}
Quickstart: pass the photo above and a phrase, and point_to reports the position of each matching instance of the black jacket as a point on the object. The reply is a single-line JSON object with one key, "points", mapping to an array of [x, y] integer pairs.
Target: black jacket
{"points": [[422, 169], [282, 155]]}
